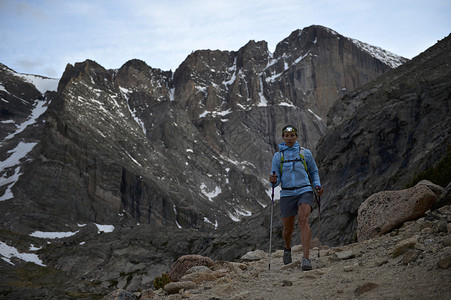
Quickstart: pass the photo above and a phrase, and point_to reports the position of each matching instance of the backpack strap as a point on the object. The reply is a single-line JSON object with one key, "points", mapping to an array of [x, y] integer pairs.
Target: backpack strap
{"points": [[281, 162], [301, 158]]}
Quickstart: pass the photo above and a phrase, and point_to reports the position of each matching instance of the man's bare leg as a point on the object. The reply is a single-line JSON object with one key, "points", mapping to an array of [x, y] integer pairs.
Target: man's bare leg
{"points": [[304, 227], [287, 232]]}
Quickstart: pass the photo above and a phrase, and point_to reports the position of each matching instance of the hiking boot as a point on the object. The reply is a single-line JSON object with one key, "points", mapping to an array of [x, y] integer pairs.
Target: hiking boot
{"points": [[306, 264], [286, 256]]}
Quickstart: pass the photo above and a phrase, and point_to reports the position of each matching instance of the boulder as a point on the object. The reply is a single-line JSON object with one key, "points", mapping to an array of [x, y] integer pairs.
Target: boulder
{"points": [[199, 274], [175, 287], [404, 245], [384, 211], [120, 294], [254, 255], [342, 255], [185, 262]]}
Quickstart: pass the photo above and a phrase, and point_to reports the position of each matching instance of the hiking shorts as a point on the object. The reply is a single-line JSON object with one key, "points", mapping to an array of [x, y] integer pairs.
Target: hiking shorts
{"points": [[289, 205]]}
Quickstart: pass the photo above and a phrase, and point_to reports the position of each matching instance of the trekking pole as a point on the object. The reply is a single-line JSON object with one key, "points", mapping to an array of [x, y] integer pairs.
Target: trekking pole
{"points": [[270, 228], [318, 199]]}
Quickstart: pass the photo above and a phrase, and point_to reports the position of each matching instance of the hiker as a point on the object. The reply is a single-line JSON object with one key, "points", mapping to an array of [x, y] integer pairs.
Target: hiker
{"points": [[296, 196]]}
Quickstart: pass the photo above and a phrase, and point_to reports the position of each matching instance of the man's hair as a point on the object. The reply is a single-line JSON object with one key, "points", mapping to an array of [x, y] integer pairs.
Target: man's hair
{"points": [[289, 128]]}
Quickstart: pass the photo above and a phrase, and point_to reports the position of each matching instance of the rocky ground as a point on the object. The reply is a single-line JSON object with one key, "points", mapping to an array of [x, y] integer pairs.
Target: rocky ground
{"points": [[411, 262]]}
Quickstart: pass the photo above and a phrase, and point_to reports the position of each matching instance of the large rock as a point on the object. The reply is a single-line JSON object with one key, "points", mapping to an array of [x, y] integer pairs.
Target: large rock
{"points": [[185, 262], [386, 210]]}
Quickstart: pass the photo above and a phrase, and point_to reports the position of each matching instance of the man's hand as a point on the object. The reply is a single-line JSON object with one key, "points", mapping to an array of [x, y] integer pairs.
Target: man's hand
{"points": [[273, 178], [319, 190]]}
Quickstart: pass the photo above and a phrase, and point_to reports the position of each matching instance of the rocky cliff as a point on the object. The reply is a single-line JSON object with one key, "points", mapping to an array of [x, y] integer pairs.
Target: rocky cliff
{"points": [[188, 150], [382, 135]]}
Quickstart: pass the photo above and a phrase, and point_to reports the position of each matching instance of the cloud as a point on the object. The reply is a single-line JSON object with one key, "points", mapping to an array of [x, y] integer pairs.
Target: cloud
{"points": [[50, 33]]}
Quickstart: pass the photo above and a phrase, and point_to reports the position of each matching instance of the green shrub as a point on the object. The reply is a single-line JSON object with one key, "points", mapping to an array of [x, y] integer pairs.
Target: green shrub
{"points": [[160, 282]]}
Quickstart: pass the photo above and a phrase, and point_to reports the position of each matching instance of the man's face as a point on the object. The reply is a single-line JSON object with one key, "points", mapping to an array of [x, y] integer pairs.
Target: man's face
{"points": [[289, 137]]}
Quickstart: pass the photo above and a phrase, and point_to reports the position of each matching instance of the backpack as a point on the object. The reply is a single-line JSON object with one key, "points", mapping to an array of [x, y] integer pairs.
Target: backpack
{"points": [[301, 159]]}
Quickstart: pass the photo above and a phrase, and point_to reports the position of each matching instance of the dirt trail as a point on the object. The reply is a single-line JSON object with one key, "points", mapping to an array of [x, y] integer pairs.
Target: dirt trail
{"points": [[410, 263]]}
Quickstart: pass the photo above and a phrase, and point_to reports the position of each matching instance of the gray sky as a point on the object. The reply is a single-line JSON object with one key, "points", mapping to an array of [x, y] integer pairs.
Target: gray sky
{"points": [[42, 36]]}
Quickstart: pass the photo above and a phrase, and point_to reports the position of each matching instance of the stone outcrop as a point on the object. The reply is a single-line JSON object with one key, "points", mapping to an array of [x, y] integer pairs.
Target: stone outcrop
{"points": [[384, 211]]}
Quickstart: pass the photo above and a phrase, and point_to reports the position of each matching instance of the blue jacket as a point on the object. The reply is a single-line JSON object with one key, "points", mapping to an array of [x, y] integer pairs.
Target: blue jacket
{"points": [[293, 173]]}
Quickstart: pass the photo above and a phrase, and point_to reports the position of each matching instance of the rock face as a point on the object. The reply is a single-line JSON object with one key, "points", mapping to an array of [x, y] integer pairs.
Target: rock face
{"points": [[382, 135], [384, 211], [187, 150]]}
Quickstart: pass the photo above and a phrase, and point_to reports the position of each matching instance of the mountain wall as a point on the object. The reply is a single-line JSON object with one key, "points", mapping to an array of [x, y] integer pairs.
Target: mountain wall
{"points": [[384, 134], [187, 150]]}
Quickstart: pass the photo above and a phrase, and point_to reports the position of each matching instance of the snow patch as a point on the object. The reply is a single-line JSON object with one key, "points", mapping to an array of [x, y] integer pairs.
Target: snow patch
{"points": [[287, 104], [273, 77], [263, 102], [104, 228], [37, 111], [239, 212], [171, 94], [277, 190], [316, 116], [133, 159], [233, 217], [215, 224], [301, 58], [215, 113], [385, 56], [212, 194], [42, 84], [125, 92], [176, 222], [21, 150], [53, 235], [33, 248], [232, 79], [7, 252]]}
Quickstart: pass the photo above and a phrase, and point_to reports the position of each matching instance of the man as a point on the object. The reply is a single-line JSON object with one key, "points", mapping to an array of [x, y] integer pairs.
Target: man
{"points": [[296, 196]]}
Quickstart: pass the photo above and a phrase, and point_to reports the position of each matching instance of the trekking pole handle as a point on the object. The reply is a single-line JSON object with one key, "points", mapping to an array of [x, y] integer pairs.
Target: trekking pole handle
{"points": [[272, 183]]}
